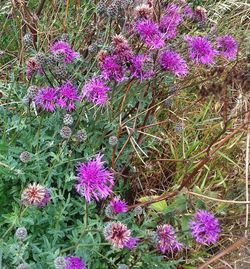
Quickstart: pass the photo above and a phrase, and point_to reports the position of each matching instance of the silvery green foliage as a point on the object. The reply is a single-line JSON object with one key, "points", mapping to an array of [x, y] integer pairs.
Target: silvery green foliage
{"points": [[123, 266], [23, 266]]}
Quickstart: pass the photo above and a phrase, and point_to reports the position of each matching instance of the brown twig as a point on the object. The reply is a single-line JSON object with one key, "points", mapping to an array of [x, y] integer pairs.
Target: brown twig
{"points": [[231, 248], [40, 8]]}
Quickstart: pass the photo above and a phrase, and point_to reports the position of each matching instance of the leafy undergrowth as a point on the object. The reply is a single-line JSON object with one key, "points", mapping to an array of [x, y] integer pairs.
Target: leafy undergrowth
{"points": [[123, 133]]}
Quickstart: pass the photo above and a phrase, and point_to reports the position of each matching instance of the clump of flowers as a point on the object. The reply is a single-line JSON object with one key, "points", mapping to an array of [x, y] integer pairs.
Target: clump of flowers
{"points": [[227, 46], [66, 49], [96, 91], [94, 180], [205, 228], [167, 241], [36, 194], [201, 50], [74, 262]]}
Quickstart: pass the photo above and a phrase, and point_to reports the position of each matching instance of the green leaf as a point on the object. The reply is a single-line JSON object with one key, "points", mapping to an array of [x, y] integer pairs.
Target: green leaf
{"points": [[158, 206]]}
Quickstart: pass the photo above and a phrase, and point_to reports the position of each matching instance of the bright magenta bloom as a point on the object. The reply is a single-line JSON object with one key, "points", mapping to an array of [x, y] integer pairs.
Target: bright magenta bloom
{"points": [[201, 50], [173, 62], [118, 206], [150, 34], [67, 96], [94, 180], [74, 262], [205, 228], [47, 99], [228, 46], [96, 91]]}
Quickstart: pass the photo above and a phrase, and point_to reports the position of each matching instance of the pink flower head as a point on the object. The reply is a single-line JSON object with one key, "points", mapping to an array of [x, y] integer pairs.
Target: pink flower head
{"points": [[33, 67], [65, 47], [36, 194], [205, 228], [74, 262], [201, 50], [67, 96], [139, 68], [227, 46], [173, 62], [170, 22], [150, 33], [167, 241], [47, 99], [118, 206], [96, 91], [122, 49], [94, 180], [118, 234], [112, 69]]}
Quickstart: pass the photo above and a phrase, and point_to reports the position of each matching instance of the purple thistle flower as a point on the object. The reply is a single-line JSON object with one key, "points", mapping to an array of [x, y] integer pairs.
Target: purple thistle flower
{"points": [[170, 22], [118, 206], [137, 68], [201, 50], [150, 33], [96, 91], [188, 11], [112, 69], [205, 228], [94, 180], [65, 47], [227, 46], [67, 96], [74, 262], [132, 243], [46, 199], [173, 62], [167, 241], [47, 99]]}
